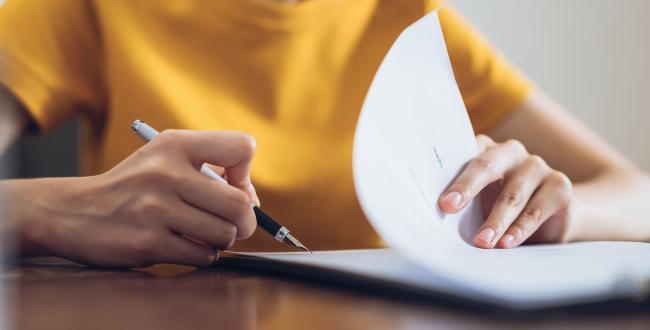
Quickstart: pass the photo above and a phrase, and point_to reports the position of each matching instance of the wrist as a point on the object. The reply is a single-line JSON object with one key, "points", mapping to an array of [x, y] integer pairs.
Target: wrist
{"points": [[19, 218], [575, 221], [35, 213]]}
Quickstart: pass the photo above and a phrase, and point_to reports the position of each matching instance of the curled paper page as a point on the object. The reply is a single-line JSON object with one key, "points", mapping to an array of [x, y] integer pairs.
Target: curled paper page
{"points": [[413, 137]]}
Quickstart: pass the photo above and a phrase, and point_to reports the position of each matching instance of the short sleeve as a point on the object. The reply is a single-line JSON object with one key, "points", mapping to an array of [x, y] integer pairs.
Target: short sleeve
{"points": [[50, 57], [491, 87]]}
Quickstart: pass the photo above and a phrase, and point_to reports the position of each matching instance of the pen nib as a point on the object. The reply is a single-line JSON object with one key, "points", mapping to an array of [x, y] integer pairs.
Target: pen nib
{"points": [[293, 241]]}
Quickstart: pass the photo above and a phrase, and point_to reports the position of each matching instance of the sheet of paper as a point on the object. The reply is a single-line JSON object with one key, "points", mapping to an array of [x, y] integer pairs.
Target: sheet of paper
{"points": [[391, 266], [412, 139]]}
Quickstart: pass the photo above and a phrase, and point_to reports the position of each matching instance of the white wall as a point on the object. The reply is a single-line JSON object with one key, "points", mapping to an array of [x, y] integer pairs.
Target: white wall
{"points": [[591, 55]]}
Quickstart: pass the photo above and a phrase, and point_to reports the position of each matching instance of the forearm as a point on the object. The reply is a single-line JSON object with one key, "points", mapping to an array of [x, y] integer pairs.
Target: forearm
{"points": [[25, 219], [612, 206]]}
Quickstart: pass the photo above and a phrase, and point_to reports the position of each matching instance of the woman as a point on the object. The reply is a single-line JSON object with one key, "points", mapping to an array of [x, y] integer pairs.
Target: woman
{"points": [[292, 75]]}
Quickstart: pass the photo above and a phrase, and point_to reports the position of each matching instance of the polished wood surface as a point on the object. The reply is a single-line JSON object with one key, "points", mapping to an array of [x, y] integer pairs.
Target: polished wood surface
{"points": [[51, 294]]}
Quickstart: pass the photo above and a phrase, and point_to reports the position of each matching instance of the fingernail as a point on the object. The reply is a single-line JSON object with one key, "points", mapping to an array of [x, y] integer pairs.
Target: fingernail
{"points": [[486, 235], [453, 198], [253, 194], [507, 240]]}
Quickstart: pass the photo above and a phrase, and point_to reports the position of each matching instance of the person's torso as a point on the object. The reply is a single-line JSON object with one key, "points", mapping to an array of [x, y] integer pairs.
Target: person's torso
{"points": [[292, 75]]}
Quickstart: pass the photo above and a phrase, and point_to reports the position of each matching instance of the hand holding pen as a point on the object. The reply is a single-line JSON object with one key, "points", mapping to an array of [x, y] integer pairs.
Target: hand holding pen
{"points": [[153, 207], [264, 221]]}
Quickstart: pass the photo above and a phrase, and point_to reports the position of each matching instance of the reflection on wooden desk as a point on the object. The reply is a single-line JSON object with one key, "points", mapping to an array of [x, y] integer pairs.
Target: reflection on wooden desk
{"points": [[66, 296]]}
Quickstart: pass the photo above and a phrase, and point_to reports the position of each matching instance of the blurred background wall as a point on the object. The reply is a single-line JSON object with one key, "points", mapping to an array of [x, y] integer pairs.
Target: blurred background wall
{"points": [[591, 55], [52, 154]]}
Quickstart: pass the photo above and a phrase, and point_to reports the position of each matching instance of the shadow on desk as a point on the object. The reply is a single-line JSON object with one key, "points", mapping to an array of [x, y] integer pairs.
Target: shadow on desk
{"points": [[62, 295]]}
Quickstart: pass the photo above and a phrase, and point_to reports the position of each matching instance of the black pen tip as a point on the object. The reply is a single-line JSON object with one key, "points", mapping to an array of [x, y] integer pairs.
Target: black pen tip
{"points": [[293, 241]]}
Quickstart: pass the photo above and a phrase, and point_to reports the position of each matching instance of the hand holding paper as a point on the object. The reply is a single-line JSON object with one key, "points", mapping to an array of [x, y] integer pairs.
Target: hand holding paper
{"points": [[399, 177], [523, 195]]}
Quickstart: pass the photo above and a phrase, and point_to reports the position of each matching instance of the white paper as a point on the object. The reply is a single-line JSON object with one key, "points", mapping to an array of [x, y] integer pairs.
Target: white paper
{"points": [[391, 266], [413, 137]]}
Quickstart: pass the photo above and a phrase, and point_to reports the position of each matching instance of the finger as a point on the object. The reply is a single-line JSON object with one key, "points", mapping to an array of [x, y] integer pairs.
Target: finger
{"points": [[519, 187], [219, 173], [483, 142], [489, 197], [226, 202], [231, 150], [178, 250], [488, 167], [553, 196], [216, 169], [256, 200], [234, 154], [203, 226], [220, 148]]}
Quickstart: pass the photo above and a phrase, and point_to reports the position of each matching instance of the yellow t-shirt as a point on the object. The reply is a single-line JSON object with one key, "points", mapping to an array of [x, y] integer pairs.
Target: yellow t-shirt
{"points": [[294, 75]]}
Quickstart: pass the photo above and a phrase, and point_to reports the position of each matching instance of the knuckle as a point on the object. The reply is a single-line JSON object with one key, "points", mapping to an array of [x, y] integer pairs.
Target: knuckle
{"points": [[516, 145], [511, 197], [537, 162], [148, 207], [247, 144], [145, 244], [156, 173], [227, 237], [560, 179], [564, 188], [239, 204], [484, 138], [531, 216], [484, 163]]}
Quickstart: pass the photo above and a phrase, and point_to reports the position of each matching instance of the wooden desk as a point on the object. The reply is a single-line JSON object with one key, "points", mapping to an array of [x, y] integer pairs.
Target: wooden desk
{"points": [[46, 295]]}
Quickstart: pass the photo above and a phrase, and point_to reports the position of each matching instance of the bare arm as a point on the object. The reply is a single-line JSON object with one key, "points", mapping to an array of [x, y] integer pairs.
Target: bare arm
{"points": [[612, 193], [143, 211], [551, 179]]}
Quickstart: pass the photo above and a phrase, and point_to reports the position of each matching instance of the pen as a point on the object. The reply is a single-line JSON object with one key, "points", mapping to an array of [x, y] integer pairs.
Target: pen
{"points": [[279, 232]]}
